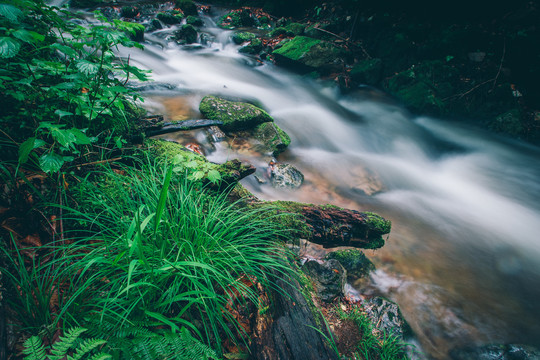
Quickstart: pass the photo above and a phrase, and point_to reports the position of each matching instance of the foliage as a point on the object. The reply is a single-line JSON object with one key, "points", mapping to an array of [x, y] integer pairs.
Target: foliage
{"points": [[374, 345], [165, 251], [34, 349], [195, 168], [60, 83]]}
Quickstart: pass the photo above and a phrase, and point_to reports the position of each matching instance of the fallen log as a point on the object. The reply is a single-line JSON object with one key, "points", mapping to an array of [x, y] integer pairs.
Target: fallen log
{"points": [[331, 226], [156, 125]]}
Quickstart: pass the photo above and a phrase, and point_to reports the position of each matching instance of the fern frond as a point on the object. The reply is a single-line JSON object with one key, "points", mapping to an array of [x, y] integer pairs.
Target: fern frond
{"points": [[34, 349], [86, 347], [60, 348], [100, 356]]}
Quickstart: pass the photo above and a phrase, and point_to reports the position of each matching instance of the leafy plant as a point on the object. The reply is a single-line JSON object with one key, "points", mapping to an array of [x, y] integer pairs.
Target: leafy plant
{"points": [[34, 348], [60, 83], [196, 168], [165, 251]]}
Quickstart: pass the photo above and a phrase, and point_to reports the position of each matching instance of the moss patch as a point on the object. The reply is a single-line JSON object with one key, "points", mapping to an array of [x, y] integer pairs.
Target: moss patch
{"points": [[354, 261], [378, 223], [297, 47], [235, 115], [275, 140], [242, 37]]}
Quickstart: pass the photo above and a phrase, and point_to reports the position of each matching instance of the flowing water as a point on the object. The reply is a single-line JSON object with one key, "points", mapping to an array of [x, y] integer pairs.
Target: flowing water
{"points": [[463, 257]]}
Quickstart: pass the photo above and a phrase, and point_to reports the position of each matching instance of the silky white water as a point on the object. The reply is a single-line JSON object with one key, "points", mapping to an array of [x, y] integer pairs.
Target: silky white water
{"points": [[463, 257]]}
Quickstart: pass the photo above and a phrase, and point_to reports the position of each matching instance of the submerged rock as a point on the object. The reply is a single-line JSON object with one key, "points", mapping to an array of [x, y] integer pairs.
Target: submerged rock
{"points": [[354, 261], [285, 176], [241, 37], [170, 17], [310, 54], [254, 47], [328, 277], [235, 115], [386, 316], [497, 352]]}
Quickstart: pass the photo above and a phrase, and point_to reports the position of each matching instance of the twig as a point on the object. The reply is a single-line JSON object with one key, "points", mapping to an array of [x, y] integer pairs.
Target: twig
{"points": [[476, 87], [346, 40], [101, 161], [500, 65]]}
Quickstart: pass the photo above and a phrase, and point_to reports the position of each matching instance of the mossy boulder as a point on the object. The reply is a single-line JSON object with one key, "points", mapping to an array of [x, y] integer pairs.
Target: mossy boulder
{"points": [[170, 17], [237, 18], [273, 138], [354, 261], [242, 37], [188, 7], [235, 115], [187, 34], [308, 54], [129, 12], [254, 47], [292, 29], [367, 72], [194, 20]]}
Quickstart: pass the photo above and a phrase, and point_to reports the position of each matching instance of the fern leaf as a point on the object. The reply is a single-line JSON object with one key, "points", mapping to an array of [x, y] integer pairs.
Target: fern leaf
{"points": [[60, 348], [86, 347], [34, 349], [100, 356]]}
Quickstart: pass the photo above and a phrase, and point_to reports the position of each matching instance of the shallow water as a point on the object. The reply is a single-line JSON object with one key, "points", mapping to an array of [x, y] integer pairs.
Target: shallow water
{"points": [[462, 260]]}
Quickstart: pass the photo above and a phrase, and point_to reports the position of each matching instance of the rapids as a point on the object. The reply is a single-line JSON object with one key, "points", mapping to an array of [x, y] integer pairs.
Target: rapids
{"points": [[463, 257]]}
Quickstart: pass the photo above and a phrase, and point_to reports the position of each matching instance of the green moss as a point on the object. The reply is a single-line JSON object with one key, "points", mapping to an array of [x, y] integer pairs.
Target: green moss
{"points": [[288, 215], [297, 47], [367, 71], [378, 223], [242, 37], [194, 20], [187, 6], [353, 260], [254, 47], [170, 17], [234, 115], [295, 28], [508, 123]]}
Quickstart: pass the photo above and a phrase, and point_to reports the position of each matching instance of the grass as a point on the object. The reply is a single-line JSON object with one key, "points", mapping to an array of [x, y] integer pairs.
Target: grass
{"points": [[167, 251], [373, 344]]}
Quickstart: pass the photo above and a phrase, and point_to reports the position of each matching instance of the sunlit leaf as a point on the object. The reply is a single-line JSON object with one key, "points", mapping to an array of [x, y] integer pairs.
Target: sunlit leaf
{"points": [[214, 176], [10, 12], [9, 47], [88, 68], [80, 137]]}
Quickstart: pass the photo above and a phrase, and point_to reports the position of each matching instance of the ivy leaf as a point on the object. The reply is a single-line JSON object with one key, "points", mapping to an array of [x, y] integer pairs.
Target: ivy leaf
{"points": [[88, 68], [214, 176], [9, 47], [51, 162], [10, 12]]}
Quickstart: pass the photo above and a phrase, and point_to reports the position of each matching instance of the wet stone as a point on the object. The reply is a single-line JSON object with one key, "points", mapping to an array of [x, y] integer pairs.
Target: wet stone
{"points": [[386, 316], [285, 176], [329, 278]]}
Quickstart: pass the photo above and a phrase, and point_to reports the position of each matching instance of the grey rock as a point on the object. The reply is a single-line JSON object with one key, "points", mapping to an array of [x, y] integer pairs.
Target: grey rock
{"points": [[328, 277], [285, 176]]}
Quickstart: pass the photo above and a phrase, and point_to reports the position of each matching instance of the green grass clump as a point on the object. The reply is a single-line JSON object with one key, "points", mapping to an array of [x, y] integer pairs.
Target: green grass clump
{"points": [[374, 345], [165, 251]]}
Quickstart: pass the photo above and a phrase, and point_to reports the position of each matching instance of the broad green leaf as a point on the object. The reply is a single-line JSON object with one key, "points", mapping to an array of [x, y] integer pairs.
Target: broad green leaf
{"points": [[80, 137], [10, 12], [9, 47], [64, 137], [51, 162], [88, 68], [62, 113], [25, 149], [28, 36], [64, 49]]}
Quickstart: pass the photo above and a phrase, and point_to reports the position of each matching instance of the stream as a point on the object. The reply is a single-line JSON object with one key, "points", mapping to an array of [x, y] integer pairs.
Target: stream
{"points": [[462, 260]]}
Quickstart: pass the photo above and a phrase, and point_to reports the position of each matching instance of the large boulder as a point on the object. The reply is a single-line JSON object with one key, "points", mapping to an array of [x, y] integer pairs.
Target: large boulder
{"points": [[187, 34], [367, 72], [308, 54], [234, 115], [328, 278]]}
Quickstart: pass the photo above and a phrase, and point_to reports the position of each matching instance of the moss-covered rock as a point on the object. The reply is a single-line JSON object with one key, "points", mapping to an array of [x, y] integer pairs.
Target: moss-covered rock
{"points": [[308, 54], [292, 29], [242, 37], [170, 17], [354, 261], [188, 7], [187, 34], [194, 20], [254, 47], [367, 72], [237, 18], [129, 11], [273, 138], [235, 115], [328, 278]]}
